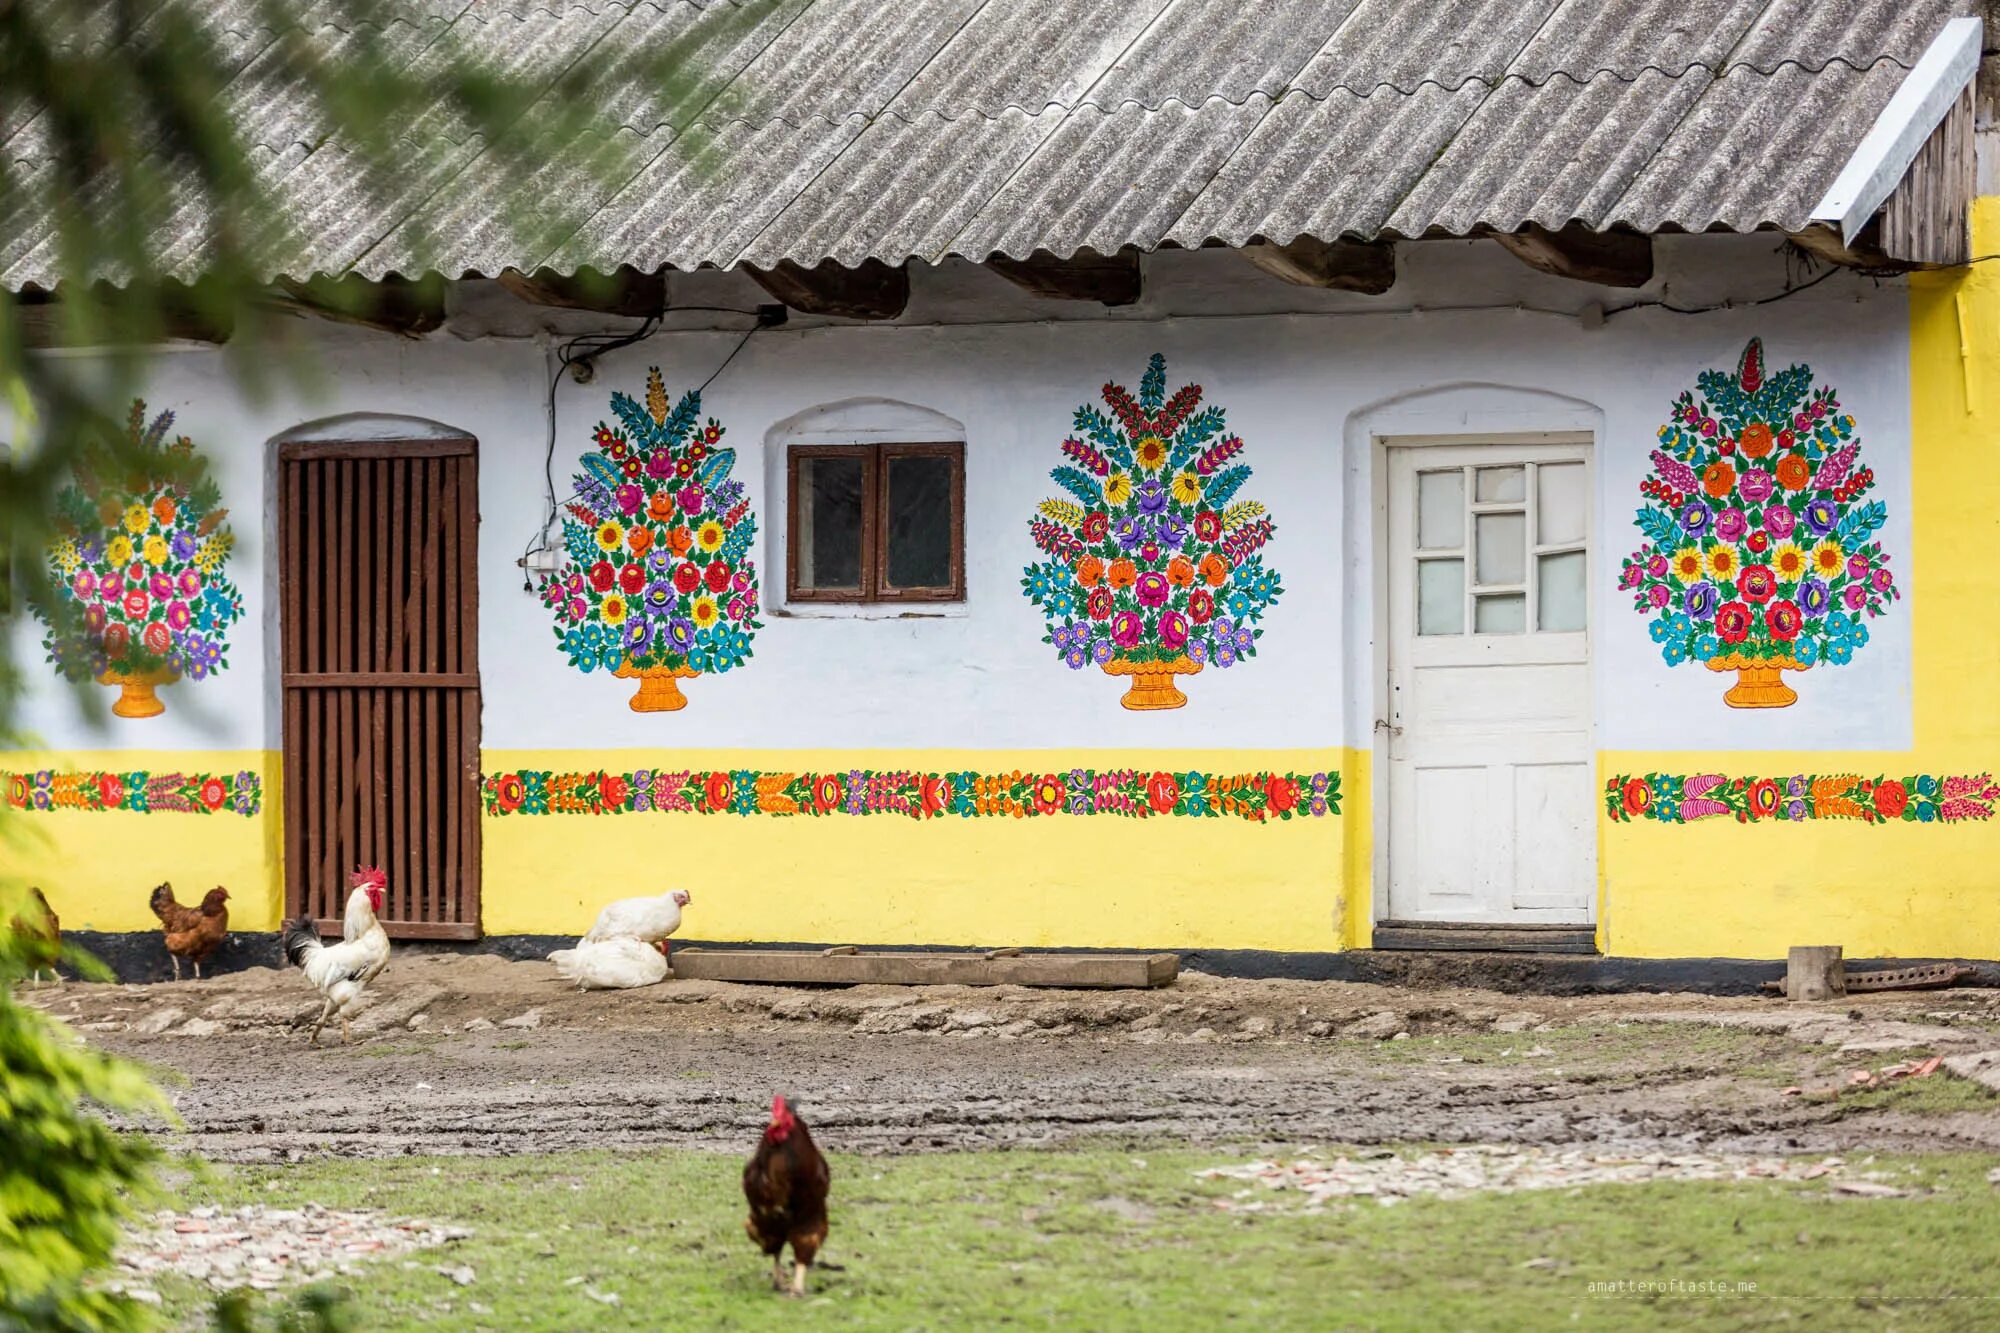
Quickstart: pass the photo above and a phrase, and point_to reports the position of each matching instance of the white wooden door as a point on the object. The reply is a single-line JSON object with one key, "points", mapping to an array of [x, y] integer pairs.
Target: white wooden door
{"points": [[1492, 794]]}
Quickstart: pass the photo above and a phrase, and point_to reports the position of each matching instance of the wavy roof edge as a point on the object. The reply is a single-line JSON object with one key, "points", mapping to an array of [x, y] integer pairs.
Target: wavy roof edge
{"points": [[809, 259]]}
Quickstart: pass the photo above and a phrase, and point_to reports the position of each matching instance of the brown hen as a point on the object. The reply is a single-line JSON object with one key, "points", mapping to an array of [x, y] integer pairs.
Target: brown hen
{"points": [[40, 933], [192, 933]]}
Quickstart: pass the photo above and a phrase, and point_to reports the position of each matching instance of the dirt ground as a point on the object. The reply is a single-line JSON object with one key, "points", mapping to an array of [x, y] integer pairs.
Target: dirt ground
{"points": [[475, 1054]]}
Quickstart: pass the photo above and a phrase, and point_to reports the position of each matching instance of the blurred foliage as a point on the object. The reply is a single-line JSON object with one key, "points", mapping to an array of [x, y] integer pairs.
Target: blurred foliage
{"points": [[68, 1180], [314, 1310], [126, 146]]}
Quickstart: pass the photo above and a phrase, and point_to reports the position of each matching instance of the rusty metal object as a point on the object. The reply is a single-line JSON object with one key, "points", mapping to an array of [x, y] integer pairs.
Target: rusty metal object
{"points": [[1931, 976]]}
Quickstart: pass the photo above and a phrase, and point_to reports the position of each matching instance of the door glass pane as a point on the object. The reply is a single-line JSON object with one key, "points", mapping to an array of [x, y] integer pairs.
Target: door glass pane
{"points": [[1440, 510], [829, 519], [1501, 613], [1503, 548], [1503, 483], [1561, 604], [1560, 503], [919, 521], [1441, 597]]}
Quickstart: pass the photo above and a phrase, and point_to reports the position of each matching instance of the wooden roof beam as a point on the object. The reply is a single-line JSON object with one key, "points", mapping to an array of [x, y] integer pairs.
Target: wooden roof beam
{"points": [[874, 290], [390, 304], [1863, 252], [1085, 276], [627, 293], [1368, 267], [1604, 258], [175, 313]]}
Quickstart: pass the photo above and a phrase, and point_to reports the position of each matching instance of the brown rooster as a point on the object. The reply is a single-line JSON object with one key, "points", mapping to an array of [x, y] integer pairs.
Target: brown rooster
{"points": [[41, 935], [786, 1182], [192, 932]]}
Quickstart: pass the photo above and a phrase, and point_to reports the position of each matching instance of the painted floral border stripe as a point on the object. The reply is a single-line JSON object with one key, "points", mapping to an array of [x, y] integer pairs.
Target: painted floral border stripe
{"points": [[1673, 798], [145, 793], [1257, 797]]}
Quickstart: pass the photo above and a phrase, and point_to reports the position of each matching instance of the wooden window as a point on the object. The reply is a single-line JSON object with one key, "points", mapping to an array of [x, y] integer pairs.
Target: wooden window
{"points": [[875, 523]]}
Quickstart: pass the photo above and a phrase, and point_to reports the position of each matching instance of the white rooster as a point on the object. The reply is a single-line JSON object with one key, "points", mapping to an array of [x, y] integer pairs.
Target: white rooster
{"points": [[341, 972], [614, 964], [648, 919]]}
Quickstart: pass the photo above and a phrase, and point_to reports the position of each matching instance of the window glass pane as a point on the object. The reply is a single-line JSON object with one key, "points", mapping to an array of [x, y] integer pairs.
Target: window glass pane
{"points": [[1501, 613], [1560, 503], [1503, 483], [829, 519], [1503, 547], [919, 522], [1441, 597], [1440, 510], [1561, 594]]}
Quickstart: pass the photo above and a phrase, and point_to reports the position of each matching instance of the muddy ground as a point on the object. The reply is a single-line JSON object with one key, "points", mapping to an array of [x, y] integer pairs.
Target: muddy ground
{"points": [[475, 1054]]}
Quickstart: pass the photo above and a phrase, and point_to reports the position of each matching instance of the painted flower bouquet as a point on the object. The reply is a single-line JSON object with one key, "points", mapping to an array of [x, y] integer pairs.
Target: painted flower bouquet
{"points": [[139, 558], [659, 584], [1760, 554], [1153, 569]]}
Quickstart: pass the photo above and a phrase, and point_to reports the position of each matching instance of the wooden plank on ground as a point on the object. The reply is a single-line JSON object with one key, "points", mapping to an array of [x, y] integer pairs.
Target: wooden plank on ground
{"points": [[1457, 937], [1094, 971]]}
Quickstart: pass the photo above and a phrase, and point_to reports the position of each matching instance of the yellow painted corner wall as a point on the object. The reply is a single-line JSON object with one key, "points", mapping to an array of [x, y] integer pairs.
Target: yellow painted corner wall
{"points": [[1096, 880], [1717, 887], [99, 867]]}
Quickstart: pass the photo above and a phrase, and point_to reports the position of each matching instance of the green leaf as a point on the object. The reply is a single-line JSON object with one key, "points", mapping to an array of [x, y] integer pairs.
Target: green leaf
{"points": [[1080, 484]]}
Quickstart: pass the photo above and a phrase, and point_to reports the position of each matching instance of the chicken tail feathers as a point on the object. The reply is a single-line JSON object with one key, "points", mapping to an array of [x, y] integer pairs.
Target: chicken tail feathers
{"points": [[300, 941], [163, 901]]}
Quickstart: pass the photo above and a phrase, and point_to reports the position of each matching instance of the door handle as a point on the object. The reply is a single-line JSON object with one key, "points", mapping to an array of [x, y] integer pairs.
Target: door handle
{"points": [[1383, 724]]}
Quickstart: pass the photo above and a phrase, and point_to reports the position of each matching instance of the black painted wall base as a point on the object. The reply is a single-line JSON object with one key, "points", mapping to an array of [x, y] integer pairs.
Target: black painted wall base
{"points": [[141, 957]]}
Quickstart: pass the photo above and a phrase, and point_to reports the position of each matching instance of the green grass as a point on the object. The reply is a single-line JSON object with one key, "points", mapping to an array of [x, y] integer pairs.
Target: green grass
{"points": [[1940, 1094], [380, 1050], [1652, 1045], [1116, 1239]]}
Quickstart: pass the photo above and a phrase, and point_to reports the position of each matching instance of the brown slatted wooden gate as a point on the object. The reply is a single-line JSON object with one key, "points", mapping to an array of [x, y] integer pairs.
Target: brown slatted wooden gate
{"points": [[379, 543]]}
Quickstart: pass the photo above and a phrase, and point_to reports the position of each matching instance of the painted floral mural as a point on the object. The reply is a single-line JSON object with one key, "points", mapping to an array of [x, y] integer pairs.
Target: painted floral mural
{"points": [[1919, 798], [1760, 554], [1154, 567], [142, 792], [1131, 793], [141, 560], [659, 585]]}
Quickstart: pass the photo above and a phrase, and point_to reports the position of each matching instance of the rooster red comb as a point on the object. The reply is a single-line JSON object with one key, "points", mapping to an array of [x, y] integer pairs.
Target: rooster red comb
{"points": [[782, 1120], [368, 877]]}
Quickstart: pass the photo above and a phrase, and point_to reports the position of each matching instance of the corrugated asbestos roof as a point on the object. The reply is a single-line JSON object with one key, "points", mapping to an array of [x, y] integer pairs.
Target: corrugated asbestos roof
{"points": [[849, 129]]}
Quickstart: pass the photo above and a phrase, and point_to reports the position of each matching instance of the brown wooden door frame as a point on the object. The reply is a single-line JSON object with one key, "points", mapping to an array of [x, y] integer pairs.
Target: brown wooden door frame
{"points": [[378, 578]]}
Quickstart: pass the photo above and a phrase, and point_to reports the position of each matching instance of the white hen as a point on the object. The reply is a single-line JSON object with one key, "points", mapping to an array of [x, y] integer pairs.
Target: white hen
{"points": [[648, 919], [616, 964]]}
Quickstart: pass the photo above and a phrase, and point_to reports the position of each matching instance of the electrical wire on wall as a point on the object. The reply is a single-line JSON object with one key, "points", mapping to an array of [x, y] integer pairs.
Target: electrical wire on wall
{"points": [[577, 358]]}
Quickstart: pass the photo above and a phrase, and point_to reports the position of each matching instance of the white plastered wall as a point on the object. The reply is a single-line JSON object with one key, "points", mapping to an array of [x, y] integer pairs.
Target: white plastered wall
{"points": [[1297, 386]]}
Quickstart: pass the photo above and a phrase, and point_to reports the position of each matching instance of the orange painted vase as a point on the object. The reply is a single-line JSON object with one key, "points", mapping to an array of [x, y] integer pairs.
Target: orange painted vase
{"points": [[1152, 685], [658, 690]]}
